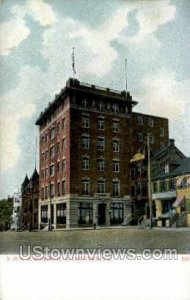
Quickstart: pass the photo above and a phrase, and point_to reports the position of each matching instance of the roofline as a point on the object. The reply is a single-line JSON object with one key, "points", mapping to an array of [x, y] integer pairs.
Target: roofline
{"points": [[75, 85], [147, 115]]}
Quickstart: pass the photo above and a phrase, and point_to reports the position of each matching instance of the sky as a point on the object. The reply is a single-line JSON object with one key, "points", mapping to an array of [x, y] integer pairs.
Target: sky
{"points": [[36, 40]]}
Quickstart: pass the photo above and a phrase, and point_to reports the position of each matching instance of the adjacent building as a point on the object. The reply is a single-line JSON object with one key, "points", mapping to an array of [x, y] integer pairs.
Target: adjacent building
{"points": [[16, 220], [30, 196], [170, 186]]}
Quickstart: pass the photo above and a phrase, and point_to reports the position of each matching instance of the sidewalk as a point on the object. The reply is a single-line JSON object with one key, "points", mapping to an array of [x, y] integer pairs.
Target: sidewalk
{"points": [[184, 229]]}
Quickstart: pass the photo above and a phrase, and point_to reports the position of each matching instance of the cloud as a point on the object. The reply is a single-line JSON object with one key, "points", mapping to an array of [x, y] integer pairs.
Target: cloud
{"points": [[12, 33], [150, 17], [20, 104], [15, 31], [161, 94]]}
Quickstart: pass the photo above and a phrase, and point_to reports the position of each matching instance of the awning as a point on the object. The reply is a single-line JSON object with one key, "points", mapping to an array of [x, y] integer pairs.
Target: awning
{"points": [[178, 200]]}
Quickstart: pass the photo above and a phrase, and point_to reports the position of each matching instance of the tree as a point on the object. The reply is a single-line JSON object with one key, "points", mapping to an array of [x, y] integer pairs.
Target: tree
{"points": [[6, 209]]}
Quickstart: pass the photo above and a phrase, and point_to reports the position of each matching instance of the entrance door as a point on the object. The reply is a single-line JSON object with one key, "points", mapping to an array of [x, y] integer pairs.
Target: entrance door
{"points": [[101, 213]]}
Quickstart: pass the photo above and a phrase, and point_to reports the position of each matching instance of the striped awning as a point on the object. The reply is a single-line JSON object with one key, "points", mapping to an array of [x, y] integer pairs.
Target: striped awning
{"points": [[178, 200]]}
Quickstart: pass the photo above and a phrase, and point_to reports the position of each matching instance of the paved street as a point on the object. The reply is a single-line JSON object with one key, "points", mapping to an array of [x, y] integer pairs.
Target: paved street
{"points": [[135, 238]]}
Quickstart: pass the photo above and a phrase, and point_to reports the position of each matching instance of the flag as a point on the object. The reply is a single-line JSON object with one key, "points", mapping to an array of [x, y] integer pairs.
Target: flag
{"points": [[138, 156], [179, 181], [73, 60]]}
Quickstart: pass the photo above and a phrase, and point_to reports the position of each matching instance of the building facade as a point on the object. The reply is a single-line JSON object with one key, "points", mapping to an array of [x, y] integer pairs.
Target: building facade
{"points": [[87, 137], [30, 197], [171, 195], [16, 220]]}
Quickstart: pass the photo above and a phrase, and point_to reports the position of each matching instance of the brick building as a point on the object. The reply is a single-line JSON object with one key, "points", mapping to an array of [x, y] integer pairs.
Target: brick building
{"points": [[30, 196], [158, 131], [87, 136]]}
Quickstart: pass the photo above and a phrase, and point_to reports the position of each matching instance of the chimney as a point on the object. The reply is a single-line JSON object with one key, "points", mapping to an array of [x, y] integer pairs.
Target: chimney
{"points": [[171, 142]]}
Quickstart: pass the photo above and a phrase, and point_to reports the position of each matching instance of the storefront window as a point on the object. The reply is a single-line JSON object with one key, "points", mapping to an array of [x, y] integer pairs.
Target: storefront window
{"points": [[116, 213], [85, 213], [61, 213]]}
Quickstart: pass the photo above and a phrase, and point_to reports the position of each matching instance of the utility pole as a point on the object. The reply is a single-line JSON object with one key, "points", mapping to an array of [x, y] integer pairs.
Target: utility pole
{"points": [[149, 180]]}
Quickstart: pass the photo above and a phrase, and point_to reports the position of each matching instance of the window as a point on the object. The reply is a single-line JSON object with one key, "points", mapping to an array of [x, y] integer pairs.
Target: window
{"points": [[162, 132], [101, 164], [42, 174], [52, 152], [58, 189], [85, 142], [115, 107], [101, 124], [63, 187], [101, 186], [101, 143], [63, 123], [58, 166], [42, 193], [52, 133], [43, 155], [115, 145], [46, 137], [44, 214], [61, 213], [115, 126], [86, 187], [63, 165], [85, 163], [52, 170], [140, 120], [52, 190], [117, 212], [46, 173], [155, 187], [115, 166], [100, 105], [140, 136], [46, 154], [46, 192], [85, 122], [151, 139], [85, 102], [162, 186], [151, 122], [85, 213], [166, 169], [58, 128], [116, 188], [42, 140], [58, 147], [63, 144]]}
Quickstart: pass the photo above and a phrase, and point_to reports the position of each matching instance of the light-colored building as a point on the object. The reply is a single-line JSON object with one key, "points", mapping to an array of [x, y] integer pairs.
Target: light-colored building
{"points": [[171, 196], [16, 222]]}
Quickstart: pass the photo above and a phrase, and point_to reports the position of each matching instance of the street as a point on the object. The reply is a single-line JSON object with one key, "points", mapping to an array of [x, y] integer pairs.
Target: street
{"points": [[128, 238]]}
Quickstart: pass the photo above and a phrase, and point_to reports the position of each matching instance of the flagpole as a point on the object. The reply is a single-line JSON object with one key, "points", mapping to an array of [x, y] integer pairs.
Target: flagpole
{"points": [[73, 62], [126, 75], [149, 180]]}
